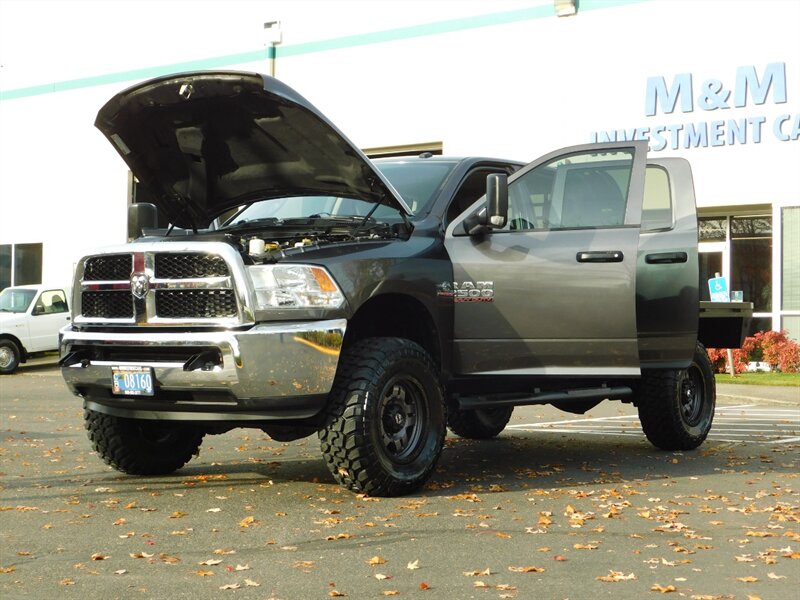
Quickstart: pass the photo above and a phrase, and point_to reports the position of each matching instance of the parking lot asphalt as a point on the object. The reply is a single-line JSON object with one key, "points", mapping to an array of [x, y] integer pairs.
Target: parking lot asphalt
{"points": [[558, 506]]}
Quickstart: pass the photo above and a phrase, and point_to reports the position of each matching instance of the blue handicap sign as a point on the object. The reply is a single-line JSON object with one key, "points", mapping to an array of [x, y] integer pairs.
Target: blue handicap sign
{"points": [[718, 288]]}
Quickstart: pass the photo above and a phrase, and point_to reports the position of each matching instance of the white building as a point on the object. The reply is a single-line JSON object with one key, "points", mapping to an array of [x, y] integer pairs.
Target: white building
{"points": [[715, 82]]}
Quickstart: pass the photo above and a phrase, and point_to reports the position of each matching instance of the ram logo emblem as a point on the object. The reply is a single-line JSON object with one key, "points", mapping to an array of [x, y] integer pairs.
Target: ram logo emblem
{"points": [[467, 291], [140, 285]]}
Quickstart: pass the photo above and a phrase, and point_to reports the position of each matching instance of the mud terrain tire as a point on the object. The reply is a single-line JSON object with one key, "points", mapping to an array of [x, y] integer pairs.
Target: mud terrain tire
{"points": [[386, 420], [676, 406], [141, 447]]}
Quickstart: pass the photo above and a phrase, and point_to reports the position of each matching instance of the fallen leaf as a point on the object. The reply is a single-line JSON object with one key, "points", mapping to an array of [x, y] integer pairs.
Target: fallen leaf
{"points": [[336, 594], [774, 576], [10, 569], [480, 584], [748, 579], [241, 568], [381, 576], [210, 562], [664, 589], [376, 560], [525, 569], [413, 565], [247, 522], [560, 558], [615, 576], [223, 551], [178, 515], [585, 546], [120, 572], [141, 555], [251, 583], [98, 556], [170, 560], [505, 587], [230, 586], [67, 581], [203, 573], [424, 586], [390, 593]]}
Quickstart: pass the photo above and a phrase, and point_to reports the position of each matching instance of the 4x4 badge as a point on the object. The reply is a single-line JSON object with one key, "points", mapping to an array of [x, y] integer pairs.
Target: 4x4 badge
{"points": [[140, 285]]}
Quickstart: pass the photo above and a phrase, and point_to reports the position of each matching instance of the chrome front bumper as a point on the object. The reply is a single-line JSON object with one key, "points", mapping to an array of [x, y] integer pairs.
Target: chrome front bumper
{"points": [[265, 366]]}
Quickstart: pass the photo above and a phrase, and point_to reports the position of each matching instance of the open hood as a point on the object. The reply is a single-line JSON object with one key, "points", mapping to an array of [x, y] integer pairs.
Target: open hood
{"points": [[205, 142]]}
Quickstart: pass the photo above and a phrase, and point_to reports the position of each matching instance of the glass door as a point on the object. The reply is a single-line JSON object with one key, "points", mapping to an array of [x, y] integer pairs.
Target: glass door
{"points": [[713, 259]]}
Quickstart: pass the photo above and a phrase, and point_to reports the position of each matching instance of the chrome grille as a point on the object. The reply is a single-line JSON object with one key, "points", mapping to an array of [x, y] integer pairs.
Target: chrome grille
{"points": [[183, 304], [192, 285], [109, 267], [115, 304], [189, 265]]}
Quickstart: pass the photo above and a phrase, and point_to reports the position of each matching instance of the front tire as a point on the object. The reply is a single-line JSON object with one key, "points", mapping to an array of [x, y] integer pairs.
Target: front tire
{"points": [[139, 446], [9, 357], [386, 421], [479, 423], [676, 406]]}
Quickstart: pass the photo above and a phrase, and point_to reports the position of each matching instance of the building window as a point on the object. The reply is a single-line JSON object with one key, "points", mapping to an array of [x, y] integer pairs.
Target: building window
{"points": [[791, 259], [5, 265], [713, 230], [20, 264], [751, 260], [740, 249]]}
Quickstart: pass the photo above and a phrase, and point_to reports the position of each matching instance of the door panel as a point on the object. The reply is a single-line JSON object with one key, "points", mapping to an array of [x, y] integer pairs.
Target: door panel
{"points": [[667, 295], [561, 278], [50, 314]]}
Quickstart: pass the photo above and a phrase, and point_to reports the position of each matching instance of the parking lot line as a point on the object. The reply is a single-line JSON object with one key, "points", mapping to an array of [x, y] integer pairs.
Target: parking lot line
{"points": [[741, 423]]}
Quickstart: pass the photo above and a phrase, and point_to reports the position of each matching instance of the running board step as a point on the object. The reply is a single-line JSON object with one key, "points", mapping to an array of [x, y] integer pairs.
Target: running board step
{"points": [[549, 397]]}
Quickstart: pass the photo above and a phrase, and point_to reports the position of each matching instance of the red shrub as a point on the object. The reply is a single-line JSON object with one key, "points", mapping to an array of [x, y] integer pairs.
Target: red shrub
{"points": [[772, 347]]}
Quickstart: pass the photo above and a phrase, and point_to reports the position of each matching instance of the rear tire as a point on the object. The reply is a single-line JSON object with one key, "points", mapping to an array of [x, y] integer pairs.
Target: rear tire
{"points": [[386, 420], [9, 357], [676, 406], [479, 423], [139, 446]]}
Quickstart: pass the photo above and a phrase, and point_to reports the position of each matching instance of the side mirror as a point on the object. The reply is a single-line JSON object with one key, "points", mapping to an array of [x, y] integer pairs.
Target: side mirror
{"points": [[494, 214], [497, 200], [141, 215]]}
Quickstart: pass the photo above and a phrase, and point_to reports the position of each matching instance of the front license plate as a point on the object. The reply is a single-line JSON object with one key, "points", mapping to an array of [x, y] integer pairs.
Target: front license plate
{"points": [[132, 381]]}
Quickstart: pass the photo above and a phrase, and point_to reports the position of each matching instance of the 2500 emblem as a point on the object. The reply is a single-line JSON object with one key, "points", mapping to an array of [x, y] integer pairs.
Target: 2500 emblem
{"points": [[467, 291]]}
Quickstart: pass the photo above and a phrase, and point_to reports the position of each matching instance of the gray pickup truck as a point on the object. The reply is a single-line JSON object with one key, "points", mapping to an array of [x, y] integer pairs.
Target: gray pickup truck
{"points": [[303, 289]]}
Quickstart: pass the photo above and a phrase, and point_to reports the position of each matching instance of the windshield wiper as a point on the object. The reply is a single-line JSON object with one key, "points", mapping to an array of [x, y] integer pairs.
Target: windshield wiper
{"points": [[266, 221]]}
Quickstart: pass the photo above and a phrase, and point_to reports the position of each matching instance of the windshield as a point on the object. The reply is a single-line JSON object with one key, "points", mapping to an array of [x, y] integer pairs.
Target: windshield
{"points": [[417, 182], [16, 300], [302, 207]]}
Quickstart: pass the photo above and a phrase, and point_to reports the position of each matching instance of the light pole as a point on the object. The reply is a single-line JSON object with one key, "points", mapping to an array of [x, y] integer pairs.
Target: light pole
{"points": [[274, 36]]}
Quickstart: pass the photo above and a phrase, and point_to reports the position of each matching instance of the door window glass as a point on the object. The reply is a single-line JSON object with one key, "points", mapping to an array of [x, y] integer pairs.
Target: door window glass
{"points": [[53, 301], [582, 190], [657, 202]]}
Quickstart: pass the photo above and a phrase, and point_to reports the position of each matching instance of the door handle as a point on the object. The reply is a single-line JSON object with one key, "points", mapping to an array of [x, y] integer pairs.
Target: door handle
{"points": [[666, 258], [599, 257]]}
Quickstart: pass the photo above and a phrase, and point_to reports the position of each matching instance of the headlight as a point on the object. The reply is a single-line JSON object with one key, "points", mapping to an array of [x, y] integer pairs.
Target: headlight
{"points": [[294, 286]]}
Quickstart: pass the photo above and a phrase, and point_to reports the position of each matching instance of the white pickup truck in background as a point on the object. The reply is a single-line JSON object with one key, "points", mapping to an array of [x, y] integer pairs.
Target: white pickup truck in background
{"points": [[30, 319]]}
